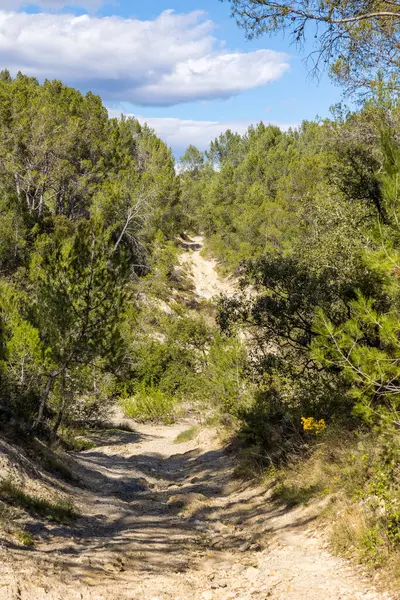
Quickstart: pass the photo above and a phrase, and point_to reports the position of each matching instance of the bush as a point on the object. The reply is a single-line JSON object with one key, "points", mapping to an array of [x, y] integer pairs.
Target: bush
{"points": [[150, 404], [186, 436], [270, 429], [186, 358]]}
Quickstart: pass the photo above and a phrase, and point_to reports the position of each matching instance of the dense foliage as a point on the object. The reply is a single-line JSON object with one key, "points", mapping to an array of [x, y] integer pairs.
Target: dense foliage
{"points": [[94, 308], [309, 218], [83, 198]]}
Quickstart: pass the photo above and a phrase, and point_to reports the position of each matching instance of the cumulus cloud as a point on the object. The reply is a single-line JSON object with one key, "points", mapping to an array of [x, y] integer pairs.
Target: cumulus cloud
{"points": [[180, 133], [215, 76], [171, 59]]}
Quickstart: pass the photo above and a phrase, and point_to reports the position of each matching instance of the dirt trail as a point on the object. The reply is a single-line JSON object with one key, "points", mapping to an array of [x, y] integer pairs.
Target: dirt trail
{"points": [[205, 277], [168, 521]]}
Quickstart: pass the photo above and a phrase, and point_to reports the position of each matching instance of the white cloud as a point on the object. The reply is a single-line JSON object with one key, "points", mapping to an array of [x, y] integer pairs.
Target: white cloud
{"points": [[216, 76], [50, 4], [169, 60], [180, 133]]}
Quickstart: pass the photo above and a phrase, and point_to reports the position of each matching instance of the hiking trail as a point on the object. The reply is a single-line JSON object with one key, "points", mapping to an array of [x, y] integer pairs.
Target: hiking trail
{"points": [[167, 521]]}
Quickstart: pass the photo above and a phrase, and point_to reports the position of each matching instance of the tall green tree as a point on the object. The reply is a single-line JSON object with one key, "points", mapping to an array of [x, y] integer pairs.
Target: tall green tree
{"points": [[78, 286]]}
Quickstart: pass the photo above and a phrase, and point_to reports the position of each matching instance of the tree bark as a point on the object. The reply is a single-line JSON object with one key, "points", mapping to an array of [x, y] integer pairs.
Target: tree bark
{"points": [[62, 407], [45, 396]]}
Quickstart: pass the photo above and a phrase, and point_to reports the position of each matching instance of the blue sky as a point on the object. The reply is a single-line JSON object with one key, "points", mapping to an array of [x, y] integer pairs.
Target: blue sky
{"points": [[185, 67]]}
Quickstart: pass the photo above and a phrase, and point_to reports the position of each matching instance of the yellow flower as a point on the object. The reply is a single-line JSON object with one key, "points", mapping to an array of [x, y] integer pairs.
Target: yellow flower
{"points": [[313, 426]]}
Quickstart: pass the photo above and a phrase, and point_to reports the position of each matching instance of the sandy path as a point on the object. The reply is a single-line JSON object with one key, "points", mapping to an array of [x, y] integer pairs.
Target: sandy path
{"points": [[167, 521], [206, 280]]}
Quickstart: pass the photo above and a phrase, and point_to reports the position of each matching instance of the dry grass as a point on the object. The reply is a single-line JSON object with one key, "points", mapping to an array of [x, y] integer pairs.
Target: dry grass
{"points": [[350, 526], [361, 514], [9, 523], [60, 510], [314, 476]]}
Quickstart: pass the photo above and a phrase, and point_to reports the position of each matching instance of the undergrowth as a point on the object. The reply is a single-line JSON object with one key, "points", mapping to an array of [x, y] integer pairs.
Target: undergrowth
{"points": [[151, 404], [187, 435]]}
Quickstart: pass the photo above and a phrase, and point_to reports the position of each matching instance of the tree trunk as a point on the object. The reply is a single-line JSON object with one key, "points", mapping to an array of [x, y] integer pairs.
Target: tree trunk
{"points": [[128, 220], [62, 407], [45, 396], [16, 177]]}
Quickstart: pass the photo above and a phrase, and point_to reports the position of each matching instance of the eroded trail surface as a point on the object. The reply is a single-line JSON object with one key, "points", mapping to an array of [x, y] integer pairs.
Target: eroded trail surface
{"points": [[167, 521], [206, 280]]}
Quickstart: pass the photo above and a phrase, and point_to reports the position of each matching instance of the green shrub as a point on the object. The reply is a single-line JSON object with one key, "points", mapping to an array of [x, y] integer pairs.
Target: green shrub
{"points": [[150, 404], [24, 537], [187, 435]]}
